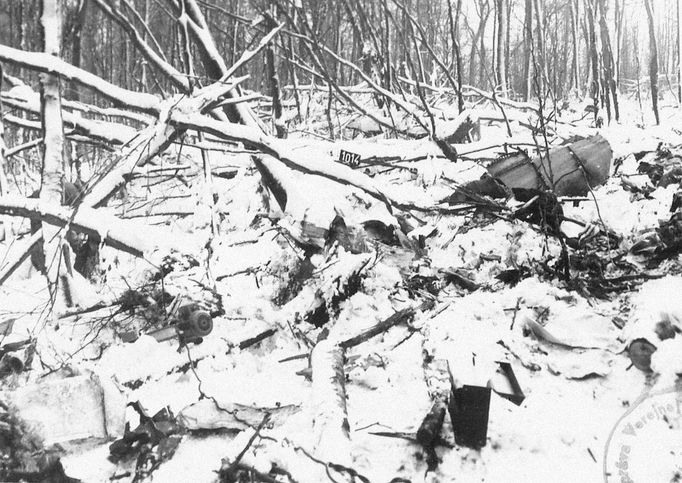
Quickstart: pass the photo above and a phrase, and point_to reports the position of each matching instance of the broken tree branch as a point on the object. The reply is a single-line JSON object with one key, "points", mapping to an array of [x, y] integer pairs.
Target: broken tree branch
{"points": [[330, 424], [46, 63], [402, 316], [113, 231], [22, 252]]}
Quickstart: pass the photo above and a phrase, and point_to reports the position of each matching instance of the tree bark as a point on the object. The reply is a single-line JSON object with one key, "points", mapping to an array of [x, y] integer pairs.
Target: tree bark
{"points": [[277, 119], [653, 59], [214, 63], [538, 9], [330, 423], [594, 56], [576, 39], [502, 37], [117, 233], [528, 50], [3, 149], [6, 231], [53, 139], [454, 33], [620, 7], [45, 63], [679, 53], [609, 64]]}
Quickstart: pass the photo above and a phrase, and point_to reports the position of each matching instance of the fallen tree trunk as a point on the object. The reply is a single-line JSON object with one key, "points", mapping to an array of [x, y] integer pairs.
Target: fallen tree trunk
{"points": [[109, 132], [49, 64], [278, 149], [139, 151], [113, 231], [402, 316], [330, 424]]}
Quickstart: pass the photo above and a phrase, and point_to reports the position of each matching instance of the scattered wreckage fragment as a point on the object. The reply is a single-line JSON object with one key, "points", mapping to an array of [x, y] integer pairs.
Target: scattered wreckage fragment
{"points": [[663, 242], [469, 400], [469, 408], [663, 167], [656, 320], [570, 170], [190, 325], [152, 442], [82, 406]]}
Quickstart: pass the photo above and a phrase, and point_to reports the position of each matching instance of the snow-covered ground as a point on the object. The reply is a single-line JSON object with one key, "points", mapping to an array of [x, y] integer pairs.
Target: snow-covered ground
{"points": [[566, 341]]}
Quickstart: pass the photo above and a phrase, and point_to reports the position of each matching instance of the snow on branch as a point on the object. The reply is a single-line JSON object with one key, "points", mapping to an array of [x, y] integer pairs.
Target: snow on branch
{"points": [[114, 133], [275, 147], [49, 64], [117, 233]]}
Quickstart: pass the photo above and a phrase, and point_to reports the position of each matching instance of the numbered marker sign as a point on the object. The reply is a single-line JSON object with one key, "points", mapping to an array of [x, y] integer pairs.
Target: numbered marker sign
{"points": [[351, 159]]}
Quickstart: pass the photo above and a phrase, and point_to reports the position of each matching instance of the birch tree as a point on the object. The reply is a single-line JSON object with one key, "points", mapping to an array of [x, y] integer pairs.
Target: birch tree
{"points": [[53, 139]]}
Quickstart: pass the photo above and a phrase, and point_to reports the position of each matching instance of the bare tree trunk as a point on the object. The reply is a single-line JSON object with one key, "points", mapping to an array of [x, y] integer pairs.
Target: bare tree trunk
{"points": [[387, 50], [507, 43], [576, 50], [145, 18], [74, 20], [653, 59], [502, 37], [482, 65], [73, 27], [3, 166], [538, 8], [679, 53], [277, 118], [594, 56], [214, 63], [454, 33], [620, 7], [528, 49], [607, 59], [53, 139], [330, 424]]}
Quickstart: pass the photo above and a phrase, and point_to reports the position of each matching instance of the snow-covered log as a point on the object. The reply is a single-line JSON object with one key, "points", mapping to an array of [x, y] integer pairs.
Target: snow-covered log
{"points": [[22, 147], [331, 431], [108, 132], [468, 90], [49, 64], [114, 232], [155, 139], [139, 151], [402, 316], [22, 92], [279, 149], [21, 122]]}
